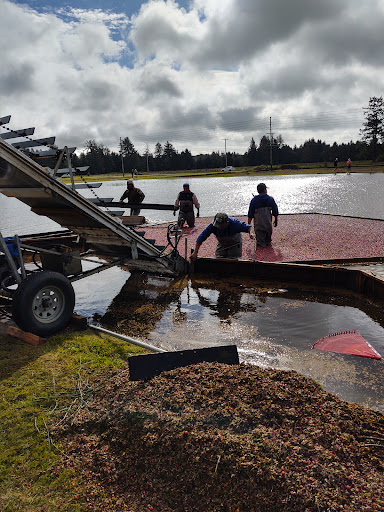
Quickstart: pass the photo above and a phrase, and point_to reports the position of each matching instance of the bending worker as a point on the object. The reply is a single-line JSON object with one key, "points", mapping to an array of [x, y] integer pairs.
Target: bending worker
{"points": [[228, 231], [185, 202], [134, 195], [261, 209]]}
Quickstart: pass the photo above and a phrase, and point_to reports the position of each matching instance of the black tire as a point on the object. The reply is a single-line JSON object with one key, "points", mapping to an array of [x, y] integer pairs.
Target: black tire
{"points": [[43, 303]]}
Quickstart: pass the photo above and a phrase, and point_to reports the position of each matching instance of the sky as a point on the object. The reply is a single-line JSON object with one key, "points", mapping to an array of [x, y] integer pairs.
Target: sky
{"points": [[202, 74]]}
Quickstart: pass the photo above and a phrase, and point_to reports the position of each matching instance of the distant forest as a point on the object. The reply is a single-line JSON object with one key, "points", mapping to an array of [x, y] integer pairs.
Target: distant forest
{"points": [[165, 157], [271, 152]]}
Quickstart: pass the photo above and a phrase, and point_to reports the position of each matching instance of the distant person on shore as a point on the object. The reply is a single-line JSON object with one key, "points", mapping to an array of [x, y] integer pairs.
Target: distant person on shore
{"points": [[349, 165], [335, 164], [134, 195], [261, 209], [228, 231], [185, 203]]}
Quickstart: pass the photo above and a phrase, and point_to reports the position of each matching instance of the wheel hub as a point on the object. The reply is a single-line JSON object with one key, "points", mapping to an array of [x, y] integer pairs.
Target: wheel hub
{"points": [[48, 304]]}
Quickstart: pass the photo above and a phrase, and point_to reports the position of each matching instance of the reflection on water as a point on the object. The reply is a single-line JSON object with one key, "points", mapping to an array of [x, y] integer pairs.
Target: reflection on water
{"points": [[357, 195], [271, 326], [238, 314], [95, 293]]}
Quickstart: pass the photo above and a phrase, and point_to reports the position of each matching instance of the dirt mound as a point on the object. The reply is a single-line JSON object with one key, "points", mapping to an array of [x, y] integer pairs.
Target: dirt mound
{"points": [[213, 437]]}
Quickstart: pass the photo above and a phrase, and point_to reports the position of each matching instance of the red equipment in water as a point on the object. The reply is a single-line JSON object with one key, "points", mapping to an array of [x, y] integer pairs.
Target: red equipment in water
{"points": [[347, 342]]}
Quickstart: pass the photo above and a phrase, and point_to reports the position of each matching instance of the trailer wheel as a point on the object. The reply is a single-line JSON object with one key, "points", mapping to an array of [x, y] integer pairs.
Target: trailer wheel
{"points": [[43, 303]]}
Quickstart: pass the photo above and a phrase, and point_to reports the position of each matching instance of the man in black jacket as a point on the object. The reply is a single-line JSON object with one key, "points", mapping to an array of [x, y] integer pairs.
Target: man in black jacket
{"points": [[134, 195]]}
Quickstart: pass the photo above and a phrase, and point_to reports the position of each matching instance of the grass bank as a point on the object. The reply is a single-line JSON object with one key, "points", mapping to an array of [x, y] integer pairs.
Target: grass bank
{"points": [[39, 385], [358, 167]]}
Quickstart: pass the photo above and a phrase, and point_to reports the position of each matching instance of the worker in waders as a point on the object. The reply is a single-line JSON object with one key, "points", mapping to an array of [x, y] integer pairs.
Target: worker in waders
{"points": [[228, 231], [134, 195], [261, 209], [185, 202]]}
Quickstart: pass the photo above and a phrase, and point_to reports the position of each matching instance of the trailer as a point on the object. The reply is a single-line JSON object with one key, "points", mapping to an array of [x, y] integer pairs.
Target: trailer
{"points": [[37, 270]]}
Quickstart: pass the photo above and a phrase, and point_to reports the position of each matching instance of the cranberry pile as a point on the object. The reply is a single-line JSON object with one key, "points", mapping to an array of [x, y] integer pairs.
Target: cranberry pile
{"points": [[213, 437]]}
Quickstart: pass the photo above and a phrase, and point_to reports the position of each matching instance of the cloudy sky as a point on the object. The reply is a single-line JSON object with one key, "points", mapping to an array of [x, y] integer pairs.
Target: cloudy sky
{"points": [[191, 72]]}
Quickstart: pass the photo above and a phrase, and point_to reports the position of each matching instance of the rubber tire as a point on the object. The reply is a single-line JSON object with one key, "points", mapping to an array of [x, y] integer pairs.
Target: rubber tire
{"points": [[27, 310]]}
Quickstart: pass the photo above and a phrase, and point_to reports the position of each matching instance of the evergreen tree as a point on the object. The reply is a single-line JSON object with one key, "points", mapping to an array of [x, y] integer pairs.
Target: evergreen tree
{"points": [[97, 157], [158, 150], [373, 127], [186, 160], [158, 157], [147, 156], [130, 155], [263, 150], [251, 154], [169, 156]]}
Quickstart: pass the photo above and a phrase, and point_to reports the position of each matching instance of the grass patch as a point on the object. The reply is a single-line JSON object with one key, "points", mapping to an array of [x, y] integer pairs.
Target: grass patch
{"points": [[37, 386], [317, 168]]}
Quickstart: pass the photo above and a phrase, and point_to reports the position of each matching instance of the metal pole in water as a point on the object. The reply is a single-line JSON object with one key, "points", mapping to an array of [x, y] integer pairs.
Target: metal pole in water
{"points": [[127, 338]]}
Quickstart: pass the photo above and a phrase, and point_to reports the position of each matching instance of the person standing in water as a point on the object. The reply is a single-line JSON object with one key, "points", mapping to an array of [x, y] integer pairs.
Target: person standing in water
{"points": [[261, 209]]}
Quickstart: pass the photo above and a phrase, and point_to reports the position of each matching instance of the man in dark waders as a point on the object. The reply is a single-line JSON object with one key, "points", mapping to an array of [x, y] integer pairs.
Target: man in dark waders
{"points": [[134, 195], [261, 209], [185, 202], [228, 231]]}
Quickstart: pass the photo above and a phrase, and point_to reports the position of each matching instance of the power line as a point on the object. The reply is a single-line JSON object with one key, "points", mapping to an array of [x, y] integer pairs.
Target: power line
{"points": [[321, 122]]}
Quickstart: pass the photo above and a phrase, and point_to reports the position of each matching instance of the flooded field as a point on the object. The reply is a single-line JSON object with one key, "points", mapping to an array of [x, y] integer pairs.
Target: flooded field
{"points": [[358, 195], [272, 325]]}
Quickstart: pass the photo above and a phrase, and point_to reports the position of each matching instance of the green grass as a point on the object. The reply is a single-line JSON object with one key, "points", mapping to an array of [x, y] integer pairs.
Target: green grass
{"points": [[316, 168], [37, 386]]}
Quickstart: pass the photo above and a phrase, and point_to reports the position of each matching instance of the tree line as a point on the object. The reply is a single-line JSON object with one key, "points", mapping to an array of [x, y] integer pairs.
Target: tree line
{"points": [[266, 153]]}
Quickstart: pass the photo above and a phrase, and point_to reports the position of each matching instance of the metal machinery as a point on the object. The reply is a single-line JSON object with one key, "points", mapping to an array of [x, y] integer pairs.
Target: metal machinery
{"points": [[36, 271]]}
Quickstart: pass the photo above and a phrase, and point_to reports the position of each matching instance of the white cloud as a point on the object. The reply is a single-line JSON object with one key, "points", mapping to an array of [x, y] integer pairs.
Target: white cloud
{"points": [[219, 69], [163, 31]]}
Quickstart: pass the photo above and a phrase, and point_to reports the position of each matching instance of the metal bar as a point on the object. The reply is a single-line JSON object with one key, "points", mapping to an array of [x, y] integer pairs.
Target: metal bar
{"points": [[59, 160], [93, 271], [87, 273], [70, 167], [143, 206], [100, 200], [50, 152], [9, 258], [80, 170], [17, 133], [56, 253], [65, 233], [29, 192], [126, 338], [4, 120], [88, 185], [21, 261], [135, 254], [48, 141]]}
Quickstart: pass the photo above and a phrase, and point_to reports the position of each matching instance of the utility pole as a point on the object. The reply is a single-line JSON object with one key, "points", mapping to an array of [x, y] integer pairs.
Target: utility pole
{"points": [[270, 141], [226, 156], [147, 153], [122, 158]]}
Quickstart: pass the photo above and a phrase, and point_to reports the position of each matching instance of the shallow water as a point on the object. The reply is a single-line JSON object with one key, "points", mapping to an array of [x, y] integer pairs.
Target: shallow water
{"points": [[271, 326], [357, 195]]}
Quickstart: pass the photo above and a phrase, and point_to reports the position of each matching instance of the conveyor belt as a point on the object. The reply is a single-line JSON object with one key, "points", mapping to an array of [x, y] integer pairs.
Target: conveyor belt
{"points": [[23, 178]]}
